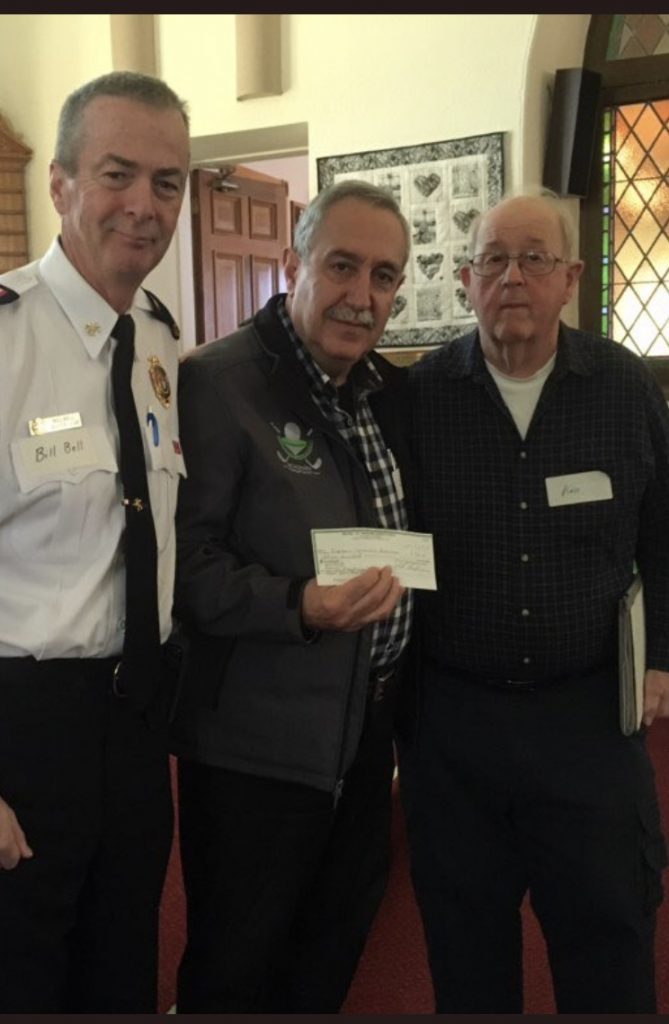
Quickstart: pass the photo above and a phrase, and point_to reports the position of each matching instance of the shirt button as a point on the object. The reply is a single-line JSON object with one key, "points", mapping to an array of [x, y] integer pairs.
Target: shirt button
{"points": [[120, 624], [527, 661], [523, 504], [524, 558], [525, 612], [523, 454]]}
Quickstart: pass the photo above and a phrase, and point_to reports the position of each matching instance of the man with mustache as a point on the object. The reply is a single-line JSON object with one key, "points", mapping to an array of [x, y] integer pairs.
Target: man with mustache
{"points": [[88, 366], [542, 469], [284, 732]]}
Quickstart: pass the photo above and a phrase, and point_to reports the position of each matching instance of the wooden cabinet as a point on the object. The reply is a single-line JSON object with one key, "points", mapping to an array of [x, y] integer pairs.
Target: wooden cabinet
{"points": [[14, 156]]}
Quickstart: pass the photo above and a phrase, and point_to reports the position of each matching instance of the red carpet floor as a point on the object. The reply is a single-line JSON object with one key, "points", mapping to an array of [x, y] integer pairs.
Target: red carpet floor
{"points": [[393, 976]]}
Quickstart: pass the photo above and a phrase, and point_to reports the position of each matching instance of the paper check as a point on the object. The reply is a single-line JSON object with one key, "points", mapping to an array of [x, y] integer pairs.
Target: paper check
{"points": [[342, 554]]}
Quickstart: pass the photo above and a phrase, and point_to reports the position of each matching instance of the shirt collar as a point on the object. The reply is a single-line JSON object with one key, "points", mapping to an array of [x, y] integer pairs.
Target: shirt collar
{"points": [[91, 316], [570, 356]]}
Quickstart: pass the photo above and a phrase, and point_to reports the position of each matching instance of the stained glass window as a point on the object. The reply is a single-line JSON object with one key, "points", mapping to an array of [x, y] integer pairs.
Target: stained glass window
{"points": [[635, 237], [638, 35]]}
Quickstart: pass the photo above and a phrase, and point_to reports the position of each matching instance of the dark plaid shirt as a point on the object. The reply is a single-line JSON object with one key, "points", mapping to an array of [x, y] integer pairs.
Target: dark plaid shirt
{"points": [[359, 428], [527, 590]]}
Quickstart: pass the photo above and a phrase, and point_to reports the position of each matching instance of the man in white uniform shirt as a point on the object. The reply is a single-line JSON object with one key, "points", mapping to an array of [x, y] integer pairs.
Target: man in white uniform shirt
{"points": [[85, 807]]}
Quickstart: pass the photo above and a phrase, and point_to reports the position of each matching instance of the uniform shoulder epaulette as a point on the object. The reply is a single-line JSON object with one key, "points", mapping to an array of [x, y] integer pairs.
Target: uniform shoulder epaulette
{"points": [[160, 311], [14, 284], [7, 295]]}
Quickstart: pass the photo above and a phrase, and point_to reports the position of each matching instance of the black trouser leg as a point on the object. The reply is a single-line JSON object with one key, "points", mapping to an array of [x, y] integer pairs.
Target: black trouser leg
{"points": [[596, 861], [337, 914], [114, 946], [469, 882], [540, 790], [90, 787], [281, 887], [247, 846]]}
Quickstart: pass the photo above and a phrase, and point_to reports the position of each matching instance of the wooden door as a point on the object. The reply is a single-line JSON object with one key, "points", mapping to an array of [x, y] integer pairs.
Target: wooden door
{"points": [[239, 236], [296, 210]]}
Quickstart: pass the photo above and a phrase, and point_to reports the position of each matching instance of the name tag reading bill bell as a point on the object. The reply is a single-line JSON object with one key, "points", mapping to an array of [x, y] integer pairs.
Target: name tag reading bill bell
{"points": [[341, 554], [52, 454]]}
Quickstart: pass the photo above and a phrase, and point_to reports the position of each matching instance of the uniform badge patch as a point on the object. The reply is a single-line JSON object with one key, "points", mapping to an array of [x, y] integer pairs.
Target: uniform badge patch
{"points": [[160, 381]]}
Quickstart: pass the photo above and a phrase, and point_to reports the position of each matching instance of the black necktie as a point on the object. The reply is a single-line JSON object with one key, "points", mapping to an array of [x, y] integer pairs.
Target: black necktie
{"points": [[139, 673]]}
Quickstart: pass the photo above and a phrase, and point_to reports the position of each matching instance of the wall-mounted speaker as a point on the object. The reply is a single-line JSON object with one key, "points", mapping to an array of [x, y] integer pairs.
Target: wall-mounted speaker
{"points": [[571, 131]]}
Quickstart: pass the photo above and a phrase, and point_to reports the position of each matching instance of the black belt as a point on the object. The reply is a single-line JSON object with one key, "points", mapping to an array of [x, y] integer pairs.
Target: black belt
{"points": [[167, 654], [105, 674], [519, 685], [117, 687], [107, 669], [97, 668]]}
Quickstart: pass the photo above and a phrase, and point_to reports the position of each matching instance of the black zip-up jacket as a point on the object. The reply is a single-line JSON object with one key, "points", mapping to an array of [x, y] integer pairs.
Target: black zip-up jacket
{"points": [[264, 468]]}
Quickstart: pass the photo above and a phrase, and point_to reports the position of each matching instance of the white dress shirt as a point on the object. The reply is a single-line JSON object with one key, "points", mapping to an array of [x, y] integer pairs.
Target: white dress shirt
{"points": [[61, 517]]}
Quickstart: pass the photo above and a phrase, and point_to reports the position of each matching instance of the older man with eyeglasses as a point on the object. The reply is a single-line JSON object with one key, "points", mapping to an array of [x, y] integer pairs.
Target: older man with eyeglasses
{"points": [[542, 468]]}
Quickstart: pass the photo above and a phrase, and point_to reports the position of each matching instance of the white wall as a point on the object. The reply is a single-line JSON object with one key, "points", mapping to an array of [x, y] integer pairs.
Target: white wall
{"points": [[359, 81], [293, 169], [370, 82], [43, 57]]}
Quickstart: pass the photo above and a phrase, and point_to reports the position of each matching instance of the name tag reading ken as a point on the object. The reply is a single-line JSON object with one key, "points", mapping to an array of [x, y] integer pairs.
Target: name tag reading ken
{"points": [[47, 454], [577, 488]]}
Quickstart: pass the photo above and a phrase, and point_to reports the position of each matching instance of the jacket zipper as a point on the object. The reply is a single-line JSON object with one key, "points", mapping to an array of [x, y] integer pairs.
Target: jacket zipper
{"points": [[334, 434]]}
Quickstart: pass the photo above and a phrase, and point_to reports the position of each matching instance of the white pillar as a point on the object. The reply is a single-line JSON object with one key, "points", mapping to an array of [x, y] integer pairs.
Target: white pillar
{"points": [[258, 55], [133, 43]]}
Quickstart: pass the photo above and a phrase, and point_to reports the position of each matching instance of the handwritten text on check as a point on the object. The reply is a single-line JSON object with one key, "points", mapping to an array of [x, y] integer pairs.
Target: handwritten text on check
{"points": [[341, 554]]}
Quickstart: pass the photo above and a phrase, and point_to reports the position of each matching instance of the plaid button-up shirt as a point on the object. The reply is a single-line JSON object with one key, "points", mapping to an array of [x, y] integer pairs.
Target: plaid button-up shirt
{"points": [[529, 587], [361, 431]]}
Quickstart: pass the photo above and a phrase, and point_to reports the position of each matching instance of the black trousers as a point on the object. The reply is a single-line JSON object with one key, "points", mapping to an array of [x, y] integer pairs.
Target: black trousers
{"points": [[507, 792], [281, 887], [89, 783]]}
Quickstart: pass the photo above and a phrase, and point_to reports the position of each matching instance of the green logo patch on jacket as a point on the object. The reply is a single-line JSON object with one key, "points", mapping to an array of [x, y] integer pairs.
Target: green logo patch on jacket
{"points": [[295, 451]]}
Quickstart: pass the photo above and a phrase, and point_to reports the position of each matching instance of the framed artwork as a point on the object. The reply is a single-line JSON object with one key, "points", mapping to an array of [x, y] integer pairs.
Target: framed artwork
{"points": [[441, 187]]}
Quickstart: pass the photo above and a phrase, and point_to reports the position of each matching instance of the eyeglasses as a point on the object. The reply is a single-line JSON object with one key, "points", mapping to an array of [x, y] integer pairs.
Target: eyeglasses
{"points": [[534, 264]]}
